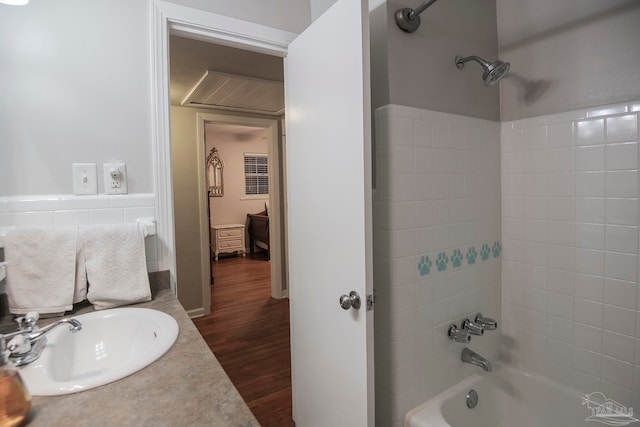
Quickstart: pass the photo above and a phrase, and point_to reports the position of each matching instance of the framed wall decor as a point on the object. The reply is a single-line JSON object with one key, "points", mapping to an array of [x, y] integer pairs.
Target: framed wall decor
{"points": [[215, 173]]}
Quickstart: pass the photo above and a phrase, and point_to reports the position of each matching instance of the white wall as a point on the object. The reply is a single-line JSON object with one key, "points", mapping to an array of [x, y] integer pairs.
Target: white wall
{"points": [[75, 82], [75, 88], [570, 264], [438, 193], [233, 206], [567, 54]]}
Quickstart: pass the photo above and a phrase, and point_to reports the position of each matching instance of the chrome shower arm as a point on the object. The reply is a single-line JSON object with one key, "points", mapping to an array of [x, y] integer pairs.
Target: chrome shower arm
{"points": [[409, 19], [418, 10], [460, 61]]}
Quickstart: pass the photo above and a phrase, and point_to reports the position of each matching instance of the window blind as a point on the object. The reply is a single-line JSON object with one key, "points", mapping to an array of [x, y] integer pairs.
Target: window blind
{"points": [[256, 174]]}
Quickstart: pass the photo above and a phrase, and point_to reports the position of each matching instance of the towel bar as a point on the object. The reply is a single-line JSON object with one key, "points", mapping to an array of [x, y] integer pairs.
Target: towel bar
{"points": [[149, 224]]}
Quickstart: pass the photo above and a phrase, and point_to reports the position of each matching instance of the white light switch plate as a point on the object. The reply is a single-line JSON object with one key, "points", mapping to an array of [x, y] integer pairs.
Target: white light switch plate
{"points": [[85, 180], [115, 178]]}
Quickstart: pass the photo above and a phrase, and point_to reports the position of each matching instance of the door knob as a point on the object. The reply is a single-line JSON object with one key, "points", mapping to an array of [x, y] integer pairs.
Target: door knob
{"points": [[351, 300]]}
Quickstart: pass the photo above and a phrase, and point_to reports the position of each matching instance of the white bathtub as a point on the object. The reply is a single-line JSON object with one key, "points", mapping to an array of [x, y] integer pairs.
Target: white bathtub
{"points": [[506, 398]]}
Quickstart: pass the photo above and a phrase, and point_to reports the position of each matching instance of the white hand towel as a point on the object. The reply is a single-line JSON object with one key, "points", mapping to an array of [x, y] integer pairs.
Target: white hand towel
{"points": [[41, 267], [116, 265], [80, 292]]}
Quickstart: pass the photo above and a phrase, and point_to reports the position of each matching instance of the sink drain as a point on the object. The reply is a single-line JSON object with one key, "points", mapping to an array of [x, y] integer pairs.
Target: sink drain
{"points": [[472, 399]]}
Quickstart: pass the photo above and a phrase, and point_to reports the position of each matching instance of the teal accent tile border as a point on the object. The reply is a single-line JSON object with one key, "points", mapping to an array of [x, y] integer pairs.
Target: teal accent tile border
{"points": [[424, 266], [471, 255], [497, 249], [457, 258], [442, 261], [484, 252]]}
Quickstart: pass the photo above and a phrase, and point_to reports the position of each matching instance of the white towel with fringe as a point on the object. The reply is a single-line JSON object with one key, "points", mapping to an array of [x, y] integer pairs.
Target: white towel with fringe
{"points": [[116, 264], [41, 270]]}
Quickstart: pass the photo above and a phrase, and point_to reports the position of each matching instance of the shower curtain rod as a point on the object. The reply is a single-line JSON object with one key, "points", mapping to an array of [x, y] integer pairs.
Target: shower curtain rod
{"points": [[409, 19]]}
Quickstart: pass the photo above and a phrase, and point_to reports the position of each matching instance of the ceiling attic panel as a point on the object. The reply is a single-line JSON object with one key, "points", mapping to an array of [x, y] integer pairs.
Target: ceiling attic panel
{"points": [[221, 77], [205, 88], [268, 96], [222, 90]]}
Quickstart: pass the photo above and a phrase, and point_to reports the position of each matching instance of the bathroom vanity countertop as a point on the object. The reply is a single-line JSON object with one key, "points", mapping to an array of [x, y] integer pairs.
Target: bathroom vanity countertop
{"points": [[185, 387]]}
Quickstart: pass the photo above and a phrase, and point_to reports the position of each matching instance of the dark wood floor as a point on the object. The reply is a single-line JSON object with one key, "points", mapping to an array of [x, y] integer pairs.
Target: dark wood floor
{"points": [[248, 331]]}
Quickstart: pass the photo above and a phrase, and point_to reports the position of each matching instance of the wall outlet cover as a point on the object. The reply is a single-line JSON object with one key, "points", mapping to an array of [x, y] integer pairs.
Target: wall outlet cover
{"points": [[85, 180], [115, 178]]}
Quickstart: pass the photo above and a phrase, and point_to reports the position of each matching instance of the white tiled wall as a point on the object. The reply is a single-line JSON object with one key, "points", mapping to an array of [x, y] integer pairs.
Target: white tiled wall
{"points": [[436, 250], [53, 211], [570, 295]]}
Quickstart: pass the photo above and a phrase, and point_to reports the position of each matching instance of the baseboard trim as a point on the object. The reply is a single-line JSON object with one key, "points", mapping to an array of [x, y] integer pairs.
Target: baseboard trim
{"points": [[195, 312]]}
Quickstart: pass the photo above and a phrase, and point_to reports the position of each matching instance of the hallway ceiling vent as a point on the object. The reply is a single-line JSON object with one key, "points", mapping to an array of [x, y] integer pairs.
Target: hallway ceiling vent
{"points": [[237, 93]]}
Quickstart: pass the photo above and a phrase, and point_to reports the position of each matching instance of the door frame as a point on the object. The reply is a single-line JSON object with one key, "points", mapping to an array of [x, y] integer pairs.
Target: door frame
{"points": [[274, 166], [169, 18]]}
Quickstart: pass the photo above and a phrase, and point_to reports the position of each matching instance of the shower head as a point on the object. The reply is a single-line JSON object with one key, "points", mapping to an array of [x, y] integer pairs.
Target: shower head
{"points": [[493, 71]]}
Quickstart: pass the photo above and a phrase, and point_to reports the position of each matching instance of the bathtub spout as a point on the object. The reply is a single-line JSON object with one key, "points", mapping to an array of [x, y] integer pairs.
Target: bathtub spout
{"points": [[473, 358]]}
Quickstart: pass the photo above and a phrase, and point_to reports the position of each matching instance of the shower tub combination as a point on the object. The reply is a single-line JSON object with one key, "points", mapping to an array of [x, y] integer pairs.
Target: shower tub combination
{"points": [[506, 397]]}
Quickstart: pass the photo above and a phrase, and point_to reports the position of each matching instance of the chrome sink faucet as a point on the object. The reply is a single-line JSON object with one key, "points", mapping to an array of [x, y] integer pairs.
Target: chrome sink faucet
{"points": [[27, 343], [473, 358]]}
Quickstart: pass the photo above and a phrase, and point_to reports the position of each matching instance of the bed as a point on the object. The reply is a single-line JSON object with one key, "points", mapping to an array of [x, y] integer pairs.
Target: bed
{"points": [[258, 229]]}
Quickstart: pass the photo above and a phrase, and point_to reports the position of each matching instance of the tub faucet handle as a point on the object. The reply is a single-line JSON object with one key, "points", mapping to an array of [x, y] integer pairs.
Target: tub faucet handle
{"points": [[487, 323], [473, 328], [458, 335]]}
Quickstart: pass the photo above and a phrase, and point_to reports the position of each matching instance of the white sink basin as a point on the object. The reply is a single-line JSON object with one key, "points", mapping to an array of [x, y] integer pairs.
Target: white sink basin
{"points": [[111, 345]]}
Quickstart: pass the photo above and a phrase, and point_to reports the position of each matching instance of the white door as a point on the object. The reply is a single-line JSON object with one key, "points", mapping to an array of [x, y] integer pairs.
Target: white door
{"points": [[329, 218]]}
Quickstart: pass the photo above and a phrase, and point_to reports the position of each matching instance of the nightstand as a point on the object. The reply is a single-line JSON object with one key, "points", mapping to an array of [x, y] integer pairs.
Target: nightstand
{"points": [[227, 238]]}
